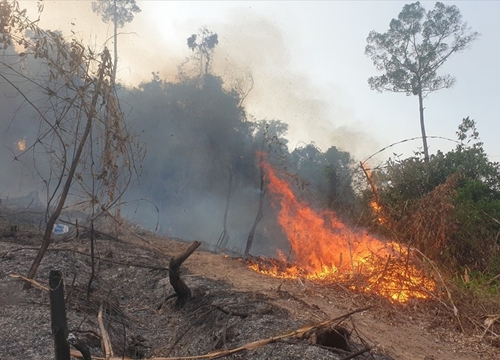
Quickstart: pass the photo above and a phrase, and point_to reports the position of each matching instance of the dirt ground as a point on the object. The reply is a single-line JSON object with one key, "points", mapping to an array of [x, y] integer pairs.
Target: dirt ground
{"points": [[231, 306]]}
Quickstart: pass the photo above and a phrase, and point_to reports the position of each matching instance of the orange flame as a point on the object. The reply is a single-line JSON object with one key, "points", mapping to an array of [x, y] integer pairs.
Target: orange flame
{"points": [[21, 144], [374, 204], [324, 248]]}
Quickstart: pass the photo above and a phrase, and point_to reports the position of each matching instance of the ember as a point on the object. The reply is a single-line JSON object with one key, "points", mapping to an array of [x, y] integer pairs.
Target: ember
{"points": [[325, 249], [21, 144]]}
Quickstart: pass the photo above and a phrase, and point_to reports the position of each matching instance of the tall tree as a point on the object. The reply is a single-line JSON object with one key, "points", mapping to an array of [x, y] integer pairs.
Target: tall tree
{"points": [[203, 44], [416, 45], [119, 12]]}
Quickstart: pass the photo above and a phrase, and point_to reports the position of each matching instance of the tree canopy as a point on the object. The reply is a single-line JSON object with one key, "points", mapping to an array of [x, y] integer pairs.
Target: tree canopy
{"points": [[416, 45], [119, 11]]}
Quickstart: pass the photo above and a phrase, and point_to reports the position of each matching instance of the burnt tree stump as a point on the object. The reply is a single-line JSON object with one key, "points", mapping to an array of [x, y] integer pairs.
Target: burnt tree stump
{"points": [[58, 315], [181, 289]]}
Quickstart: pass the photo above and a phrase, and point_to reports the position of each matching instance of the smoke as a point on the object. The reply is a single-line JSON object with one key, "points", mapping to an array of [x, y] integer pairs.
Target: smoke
{"points": [[18, 130], [191, 135], [249, 43], [314, 112]]}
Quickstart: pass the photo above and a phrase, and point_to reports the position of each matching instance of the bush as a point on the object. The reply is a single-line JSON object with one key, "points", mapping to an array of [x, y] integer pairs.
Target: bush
{"points": [[448, 207]]}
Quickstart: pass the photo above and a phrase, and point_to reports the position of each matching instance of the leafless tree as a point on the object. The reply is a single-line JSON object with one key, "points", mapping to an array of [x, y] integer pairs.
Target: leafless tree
{"points": [[72, 94]]}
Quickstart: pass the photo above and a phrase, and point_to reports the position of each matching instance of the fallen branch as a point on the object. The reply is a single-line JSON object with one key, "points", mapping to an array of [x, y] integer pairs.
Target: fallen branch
{"points": [[300, 332], [357, 353], [448, 292], [106, 343], [232, 313], [31, 281]]}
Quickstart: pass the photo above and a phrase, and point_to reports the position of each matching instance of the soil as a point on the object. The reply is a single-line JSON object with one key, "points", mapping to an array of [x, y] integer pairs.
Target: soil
{"points": [[231, 306]]}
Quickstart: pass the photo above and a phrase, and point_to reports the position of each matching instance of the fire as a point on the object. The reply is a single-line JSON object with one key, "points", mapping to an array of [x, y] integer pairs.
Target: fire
{"points": [[21, 144], [325, 249], [374, 204]]}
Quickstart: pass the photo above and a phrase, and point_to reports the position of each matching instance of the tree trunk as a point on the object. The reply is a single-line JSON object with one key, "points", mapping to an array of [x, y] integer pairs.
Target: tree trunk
{"points": [[225, 236], [115, 37], [69, 179], [422, 125], [259, 213]]}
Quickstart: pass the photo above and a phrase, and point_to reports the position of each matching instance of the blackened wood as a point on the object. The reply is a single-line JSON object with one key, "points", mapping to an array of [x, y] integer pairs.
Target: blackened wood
{"points": [[258, 216], [181, 289], [58, 315], [80, 346]]}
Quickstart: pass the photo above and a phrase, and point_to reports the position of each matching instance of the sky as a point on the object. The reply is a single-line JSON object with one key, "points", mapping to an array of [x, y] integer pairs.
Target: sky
{"points": [[308, 65]]}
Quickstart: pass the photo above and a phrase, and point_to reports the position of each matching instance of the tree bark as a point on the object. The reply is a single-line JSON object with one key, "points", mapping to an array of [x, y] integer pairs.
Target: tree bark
{"points": [[422, 124], [258, 217], [225, 236], [181, 289], [58, 316]]}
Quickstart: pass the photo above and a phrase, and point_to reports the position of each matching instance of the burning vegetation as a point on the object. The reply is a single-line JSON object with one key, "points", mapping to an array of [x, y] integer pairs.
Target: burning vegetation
{"points": [[325, 249]]}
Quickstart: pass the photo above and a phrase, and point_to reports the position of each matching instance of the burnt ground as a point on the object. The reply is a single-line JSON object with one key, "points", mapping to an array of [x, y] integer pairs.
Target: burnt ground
{"points": [[231, 306]]}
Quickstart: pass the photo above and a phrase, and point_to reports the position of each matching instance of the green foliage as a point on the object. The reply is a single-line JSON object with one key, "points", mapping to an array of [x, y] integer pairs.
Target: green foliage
{"points": [[197, 130], [449, 206], [203, 45], [119, 11], [329, 175], [411, 52], [478, 284], [416, 45]]}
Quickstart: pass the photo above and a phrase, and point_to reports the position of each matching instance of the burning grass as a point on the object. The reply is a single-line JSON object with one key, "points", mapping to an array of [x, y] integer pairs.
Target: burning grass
{"points": [[324, 249], [391, 277]]}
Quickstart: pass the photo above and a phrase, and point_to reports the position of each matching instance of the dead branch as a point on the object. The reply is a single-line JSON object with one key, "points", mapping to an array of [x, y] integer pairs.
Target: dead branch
{"points": [[357, 353], [69, 178], [181, 289], [232, 313], [106, 343], [448, 292], [151, 267], [300, 332], [77, 344], [31, 281]]}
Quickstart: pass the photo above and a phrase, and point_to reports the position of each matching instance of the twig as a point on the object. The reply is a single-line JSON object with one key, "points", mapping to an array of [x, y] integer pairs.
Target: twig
{"points": [[31, 281], [185, 332], [232, 313], [252, 345], [97, 257], [493, 279], [455, 309], [357, 353], [70, 292]]}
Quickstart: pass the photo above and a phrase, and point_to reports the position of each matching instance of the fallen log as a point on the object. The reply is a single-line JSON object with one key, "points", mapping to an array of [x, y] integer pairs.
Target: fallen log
{"points": [[181, 289]]}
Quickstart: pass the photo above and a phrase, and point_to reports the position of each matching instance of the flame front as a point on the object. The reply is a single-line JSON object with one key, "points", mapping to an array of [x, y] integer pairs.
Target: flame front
{"points": [[324, 248]]}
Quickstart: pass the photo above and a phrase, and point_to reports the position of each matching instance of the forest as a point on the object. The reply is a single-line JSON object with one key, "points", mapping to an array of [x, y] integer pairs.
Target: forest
{"points": [[187, 160]]}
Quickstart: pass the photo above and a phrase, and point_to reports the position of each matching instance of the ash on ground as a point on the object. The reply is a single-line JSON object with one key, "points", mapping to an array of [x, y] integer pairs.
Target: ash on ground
{"points": [[140, 322]]}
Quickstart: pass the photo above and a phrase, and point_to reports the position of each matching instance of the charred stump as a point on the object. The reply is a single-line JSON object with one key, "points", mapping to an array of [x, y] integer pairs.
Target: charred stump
{"points": [[336, 337], [58, 315], [181, 289]]}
